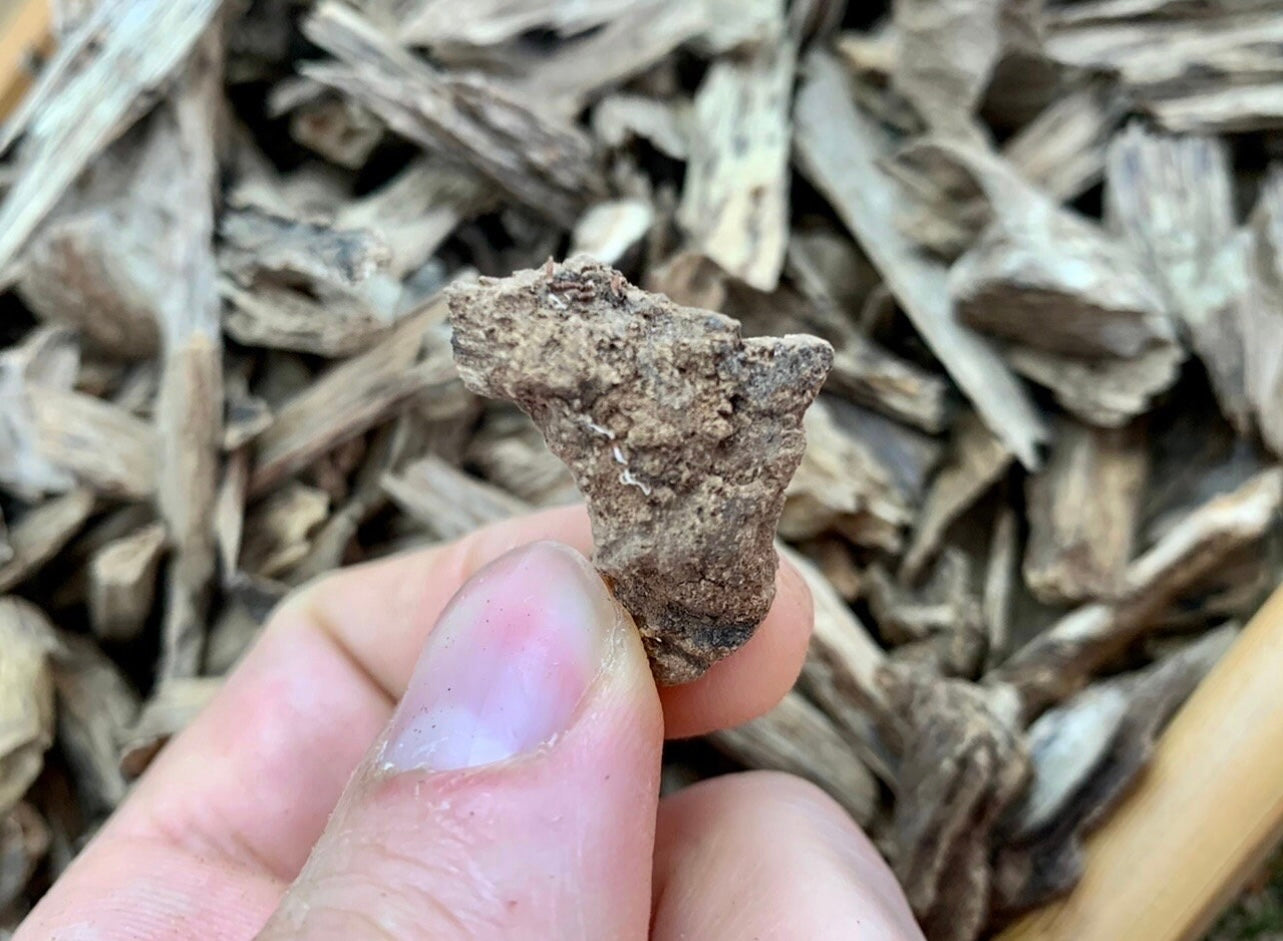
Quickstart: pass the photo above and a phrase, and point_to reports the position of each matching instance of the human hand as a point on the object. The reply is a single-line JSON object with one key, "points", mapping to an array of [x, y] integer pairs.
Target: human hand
{"points": [[512, 794]]}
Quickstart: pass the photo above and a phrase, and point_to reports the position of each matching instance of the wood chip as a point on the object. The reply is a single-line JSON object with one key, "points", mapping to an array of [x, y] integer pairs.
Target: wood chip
{"points": [[445, 500], [838, 149], [24, 841], [40, 533], [277, 530], [1084, 508], [799, 738], [122, 583], [607, 231], [26, 697], [1261, 315], [735, 199], [101, 445], [1062, 151]]}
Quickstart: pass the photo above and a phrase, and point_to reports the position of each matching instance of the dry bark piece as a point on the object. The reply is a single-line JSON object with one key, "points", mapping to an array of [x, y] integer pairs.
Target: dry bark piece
{"points": [[255, 243], [47, 359], [448, 502], [1083, 510], [103, 446], [170, 709], [735, 199], [1059, 660], [961, 766], [544, 163], [41, 533], [799, 738], [977, 462], [510, 453], [681, 435], [26, 696], [1172, 199], [607, 231], [839, 148], [619, 118], [1000, 584], [491, 22], [945, 609], [95, 706], [122, 583]]}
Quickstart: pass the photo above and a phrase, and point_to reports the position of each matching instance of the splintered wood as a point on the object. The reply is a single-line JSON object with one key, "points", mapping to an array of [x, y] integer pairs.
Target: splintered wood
{"points": [[1042, 245]]}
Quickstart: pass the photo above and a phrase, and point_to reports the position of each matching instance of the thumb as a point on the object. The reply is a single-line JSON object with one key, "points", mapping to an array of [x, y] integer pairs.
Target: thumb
{"points": [[513, 794]]}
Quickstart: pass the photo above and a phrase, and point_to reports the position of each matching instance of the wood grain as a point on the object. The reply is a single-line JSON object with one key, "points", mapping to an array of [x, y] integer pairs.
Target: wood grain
{"points": [[1202, 819]]}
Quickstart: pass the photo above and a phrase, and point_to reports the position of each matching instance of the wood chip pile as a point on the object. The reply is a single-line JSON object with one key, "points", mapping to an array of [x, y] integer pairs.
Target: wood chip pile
{"points": [[1040, 489]]}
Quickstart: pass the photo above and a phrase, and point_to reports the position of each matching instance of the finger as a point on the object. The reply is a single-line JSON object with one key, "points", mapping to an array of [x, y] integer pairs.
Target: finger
{"points": [[766, 855], [411, 590], [514, 792]]}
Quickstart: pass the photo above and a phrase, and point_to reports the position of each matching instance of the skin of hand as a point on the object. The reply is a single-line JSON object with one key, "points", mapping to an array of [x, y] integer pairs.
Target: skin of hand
{"points": [[464, 742]]}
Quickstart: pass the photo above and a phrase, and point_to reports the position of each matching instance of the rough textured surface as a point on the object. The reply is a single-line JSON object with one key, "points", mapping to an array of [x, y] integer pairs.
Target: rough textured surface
{"points": [[680, 434]]}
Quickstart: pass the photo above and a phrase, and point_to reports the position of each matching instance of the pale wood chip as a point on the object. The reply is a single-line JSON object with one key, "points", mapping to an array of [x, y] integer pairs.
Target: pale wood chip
{"points": [[26, 696], [122, 583], [41, 532]]}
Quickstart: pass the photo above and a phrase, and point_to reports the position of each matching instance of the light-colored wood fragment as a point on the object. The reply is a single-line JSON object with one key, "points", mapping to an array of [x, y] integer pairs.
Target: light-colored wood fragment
{"points": [[619, 118], [735, 200], [170, 709], [1062, 151], [103, 446], [839, 148], [490, 22], [1263, 315], [1062, 658], [1083, 509], [41, 532], [48, 359], [26, 696], [544, 163], [122, 52], [277, 530], [510, 453], [1107, 392], [607, 231], [870, 375], [229, 511], [448, 502], [1172, 199], [977, 460], [95, 706], [1000, 583], [798, 738], [122, 583], [354, 395]]}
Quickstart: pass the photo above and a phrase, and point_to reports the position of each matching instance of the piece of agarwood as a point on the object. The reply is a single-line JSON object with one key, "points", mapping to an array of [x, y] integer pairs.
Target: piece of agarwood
{"points": [[841, 669], [618, 119], [122, 583], [976, 462], [735, 198], [229, 511], [95, 706], [255, 243], [800, 739], [836, 560], [446, 501], [354, 395], [90, 94], [24, 841], [41, 533], [1086, 754], [6, 550], [1262, 315], [867, 373], [945, 53], [189, 410], [680, 433], [1059, 660], [542, 162], [340, 130], [944, 604], [1083, 508], [277, 530], [171, 708], [490, 22], [104, 447], [1062, 151], [999, 584], [607, 231], [838, 148], [1172, 199], [961, 766], [47, 359], [847, 480], [273, 315], [1107, 392], [26, 696]]}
